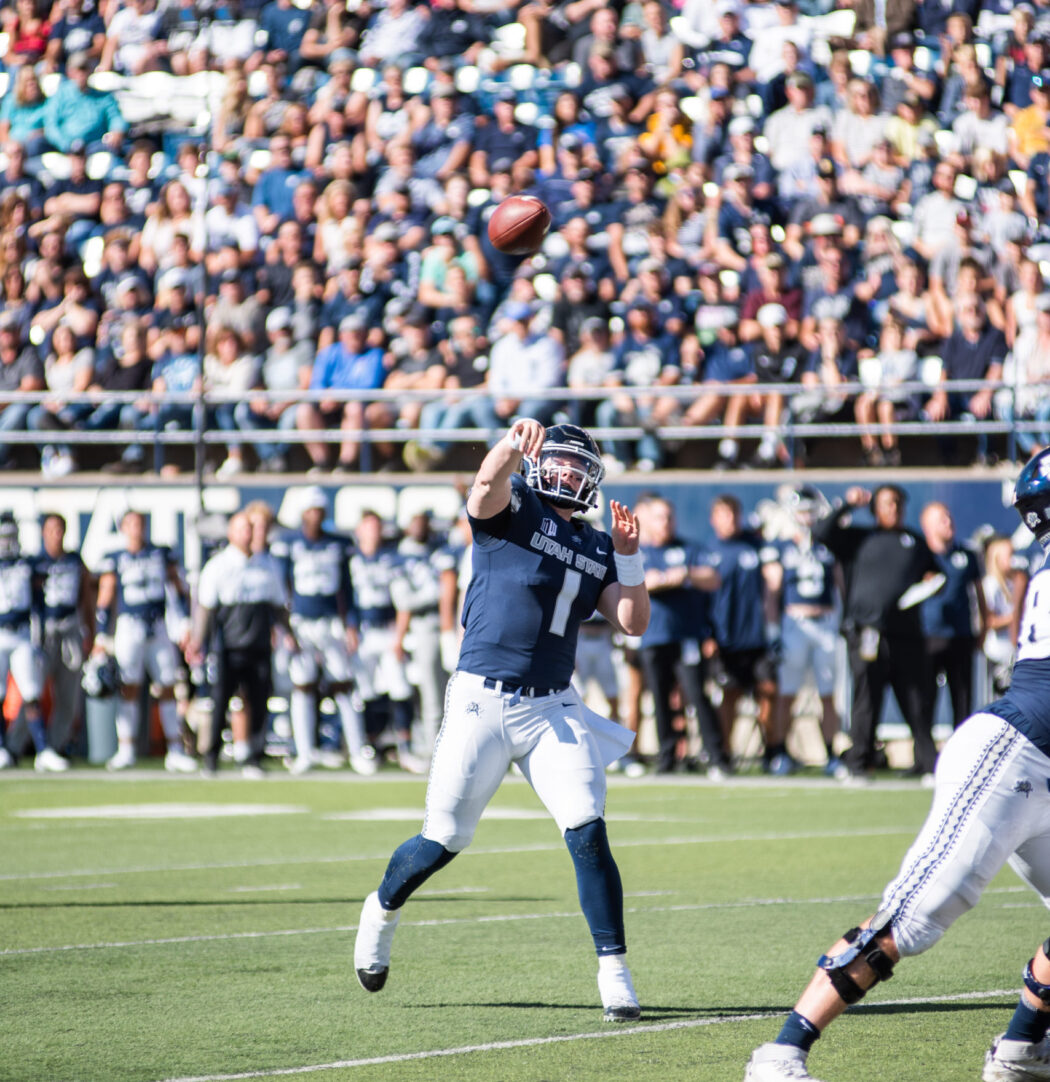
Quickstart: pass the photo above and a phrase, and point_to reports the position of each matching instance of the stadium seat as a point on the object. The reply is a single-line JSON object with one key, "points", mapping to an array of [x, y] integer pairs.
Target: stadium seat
{"points": [[415, 81], [965, 187], [860, 62], [870, 371], [527, 112], [478, 197], [930, 369], [100, 164], [467, 79], [259, 160], [55, 164], [835, 24], [522, 76], [257, 84], [4, 80], [1020, 180], [91, 255], [923, 58], [693, 108], [546, 286], [49, 83], [363, 80], [109, 81], [572, 75], [984, 54], [509, 39]]}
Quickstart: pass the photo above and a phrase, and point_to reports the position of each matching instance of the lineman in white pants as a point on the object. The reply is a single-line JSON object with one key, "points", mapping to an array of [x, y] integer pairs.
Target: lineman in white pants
{"points": [[315, 568], [130, 623], [990, 808], [20, 660], [424, 594]]}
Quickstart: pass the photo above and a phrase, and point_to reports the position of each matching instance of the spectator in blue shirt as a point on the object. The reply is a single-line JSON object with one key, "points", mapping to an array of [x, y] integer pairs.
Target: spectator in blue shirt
{"points": [[347, 365], [77, 112], [284, 24], [272, 198], [22, 112]]}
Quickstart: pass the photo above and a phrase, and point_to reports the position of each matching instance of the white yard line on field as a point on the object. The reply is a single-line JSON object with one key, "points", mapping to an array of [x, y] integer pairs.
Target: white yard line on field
{"points": [[503, 918], [534, 1042], [513, 850]]}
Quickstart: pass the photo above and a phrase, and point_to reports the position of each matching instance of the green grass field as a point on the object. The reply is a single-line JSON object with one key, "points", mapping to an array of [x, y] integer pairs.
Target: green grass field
{"points": [[220, 946]]}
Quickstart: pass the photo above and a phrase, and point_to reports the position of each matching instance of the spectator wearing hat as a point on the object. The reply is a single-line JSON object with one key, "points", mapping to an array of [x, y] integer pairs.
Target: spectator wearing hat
{"points": [[349, 364], [502, 139], [229, 220], [235, 309], [1027, 134], [175, 306], [273, 191], [176, 372], [741, 151], [731, 46], [735, 215], [616, 132], [578, 301], [632, 218], [77, 111], [788, 130], [776, 358], [20, 370], [711, 133], [975, 350], [902, 77], [835, 294], [829, 213], [883, 401], [772, 289], [650, 286], [524, 363], [286, 367]]}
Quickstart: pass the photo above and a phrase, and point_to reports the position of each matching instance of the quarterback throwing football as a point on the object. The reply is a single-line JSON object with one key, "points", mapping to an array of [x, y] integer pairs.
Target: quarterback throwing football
{"points": [[537, 573]]}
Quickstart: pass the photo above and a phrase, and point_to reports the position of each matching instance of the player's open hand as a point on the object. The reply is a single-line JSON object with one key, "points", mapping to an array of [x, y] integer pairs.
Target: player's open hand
{"points": [[624, 529], [527, 436]]}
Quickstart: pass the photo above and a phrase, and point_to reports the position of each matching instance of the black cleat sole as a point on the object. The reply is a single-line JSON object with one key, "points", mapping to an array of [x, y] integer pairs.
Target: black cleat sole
{"points": [[372, 980], [619, 1014]]}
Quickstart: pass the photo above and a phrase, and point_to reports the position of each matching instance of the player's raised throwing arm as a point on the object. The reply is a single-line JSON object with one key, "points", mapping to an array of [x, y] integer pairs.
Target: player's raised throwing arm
{"points": [[490, 493], [625, 604]]}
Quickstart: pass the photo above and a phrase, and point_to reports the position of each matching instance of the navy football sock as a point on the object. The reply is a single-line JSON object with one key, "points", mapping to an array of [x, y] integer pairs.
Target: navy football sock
{"points": [[798, 1031], [598, 885], [412, 864], [1028, 1024], [37, 732]]}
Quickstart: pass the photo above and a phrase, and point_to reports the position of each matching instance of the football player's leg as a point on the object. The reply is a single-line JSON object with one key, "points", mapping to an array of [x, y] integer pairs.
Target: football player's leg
{"points": [[129, 649], [162, 666], [1022, 1051], [303, 673], [27, 671], [338, 666], [976, 821], [6, 648]]}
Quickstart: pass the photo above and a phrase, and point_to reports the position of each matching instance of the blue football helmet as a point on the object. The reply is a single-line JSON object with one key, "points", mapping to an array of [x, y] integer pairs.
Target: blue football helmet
{"points": [[569, 468], [101, 677], [1032, 496]]}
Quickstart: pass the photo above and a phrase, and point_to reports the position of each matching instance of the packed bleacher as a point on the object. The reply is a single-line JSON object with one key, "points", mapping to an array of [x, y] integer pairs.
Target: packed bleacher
{"points": [[259, 228]]}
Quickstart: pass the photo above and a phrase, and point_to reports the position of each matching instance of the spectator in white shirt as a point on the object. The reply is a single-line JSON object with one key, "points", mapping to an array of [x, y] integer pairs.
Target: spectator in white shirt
{"points": [[524, 363]]}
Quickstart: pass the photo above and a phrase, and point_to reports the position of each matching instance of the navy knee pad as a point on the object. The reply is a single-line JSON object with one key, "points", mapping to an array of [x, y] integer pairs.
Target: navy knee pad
{"points": [[598, 885]]}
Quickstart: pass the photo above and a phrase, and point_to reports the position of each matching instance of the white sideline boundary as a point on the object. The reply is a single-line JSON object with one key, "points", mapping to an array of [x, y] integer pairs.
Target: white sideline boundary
{"points": [[566, 1038], [539, 847], [504, 918]]}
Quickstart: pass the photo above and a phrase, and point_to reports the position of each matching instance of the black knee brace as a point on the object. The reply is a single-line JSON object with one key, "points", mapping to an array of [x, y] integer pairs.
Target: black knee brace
{"points": [[1040, 991], [861, 945]]}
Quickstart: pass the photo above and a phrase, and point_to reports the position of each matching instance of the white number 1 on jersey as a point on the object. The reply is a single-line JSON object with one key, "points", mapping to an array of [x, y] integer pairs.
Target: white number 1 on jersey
{"points": [[563, 606]]}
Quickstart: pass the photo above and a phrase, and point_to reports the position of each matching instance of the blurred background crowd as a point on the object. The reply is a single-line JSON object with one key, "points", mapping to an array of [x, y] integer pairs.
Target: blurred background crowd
{"points": [[774, 639], [820, 224]]}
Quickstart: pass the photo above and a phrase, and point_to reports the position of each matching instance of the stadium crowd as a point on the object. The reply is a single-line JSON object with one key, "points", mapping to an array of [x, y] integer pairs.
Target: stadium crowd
{"points": [[296, 642], [762, 212]]}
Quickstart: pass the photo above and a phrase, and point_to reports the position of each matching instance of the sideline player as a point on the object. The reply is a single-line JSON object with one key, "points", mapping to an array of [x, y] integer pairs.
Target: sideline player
{"points": [[315, 566], [133, 586], [986, 812], [537, 572]]}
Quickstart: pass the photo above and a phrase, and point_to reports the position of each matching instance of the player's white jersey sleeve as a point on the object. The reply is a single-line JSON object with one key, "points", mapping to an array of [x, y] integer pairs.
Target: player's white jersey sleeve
{"points": [[1033, 642]]}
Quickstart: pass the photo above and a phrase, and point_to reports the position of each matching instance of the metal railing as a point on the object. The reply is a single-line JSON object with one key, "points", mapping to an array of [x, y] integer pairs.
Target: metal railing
{"points": [[200, 434]]}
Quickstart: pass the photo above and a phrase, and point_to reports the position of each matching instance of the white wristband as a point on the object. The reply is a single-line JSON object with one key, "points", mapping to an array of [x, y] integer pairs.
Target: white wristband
{"points": [[630, 570]]}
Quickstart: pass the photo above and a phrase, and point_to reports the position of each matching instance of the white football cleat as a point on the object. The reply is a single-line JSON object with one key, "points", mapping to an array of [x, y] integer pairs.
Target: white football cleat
{"points": [[330, 758], [375, 937], [777, 1063], [178, 762], [364, 764], [301, 764], [7, 760], [619, 1002], [1017, 1061], [123, 760], [50, 761], [412, 763]]}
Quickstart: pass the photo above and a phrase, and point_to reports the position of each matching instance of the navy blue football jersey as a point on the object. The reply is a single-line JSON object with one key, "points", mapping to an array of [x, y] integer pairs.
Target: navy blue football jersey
{"points": [[948, 615], [808, 573], [16, 592], [141, 580], [372, 578], [682, 613], [536, 577], [61, 579], [737, 609], [317, 574]]}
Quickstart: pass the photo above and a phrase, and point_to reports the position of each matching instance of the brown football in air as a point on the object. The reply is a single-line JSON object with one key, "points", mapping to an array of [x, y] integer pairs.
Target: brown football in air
{"points": [[519, 224]]}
